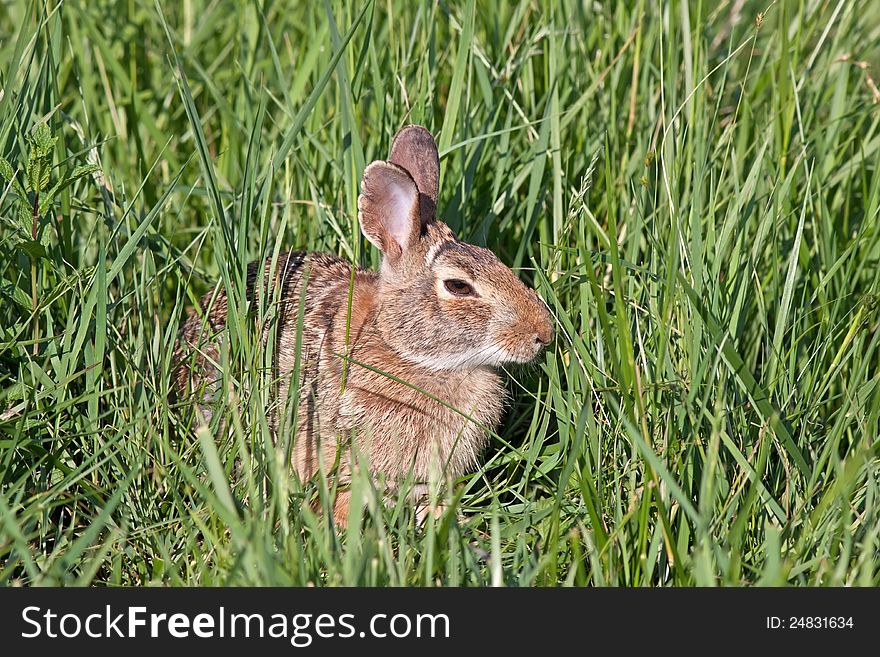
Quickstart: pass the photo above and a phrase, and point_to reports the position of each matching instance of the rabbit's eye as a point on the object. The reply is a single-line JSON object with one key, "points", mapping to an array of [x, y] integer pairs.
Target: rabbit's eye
{"points": [[458, 287]]}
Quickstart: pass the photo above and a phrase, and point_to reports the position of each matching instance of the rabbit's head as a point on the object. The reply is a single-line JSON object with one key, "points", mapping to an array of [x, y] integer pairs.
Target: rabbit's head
{"points": [[443, 304]]}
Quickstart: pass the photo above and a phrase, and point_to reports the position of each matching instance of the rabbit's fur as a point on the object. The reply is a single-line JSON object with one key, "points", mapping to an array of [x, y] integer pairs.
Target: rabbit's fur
{"points": [[433, 322]]}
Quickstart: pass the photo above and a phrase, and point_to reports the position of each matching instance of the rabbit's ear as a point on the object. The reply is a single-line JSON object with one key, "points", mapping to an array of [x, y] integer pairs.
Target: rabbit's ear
{"points": [[415, 150], [388, 209]]}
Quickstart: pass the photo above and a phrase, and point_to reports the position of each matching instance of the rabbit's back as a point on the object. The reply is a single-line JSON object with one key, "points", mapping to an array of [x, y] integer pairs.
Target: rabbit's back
{"points": [[197, 357]]}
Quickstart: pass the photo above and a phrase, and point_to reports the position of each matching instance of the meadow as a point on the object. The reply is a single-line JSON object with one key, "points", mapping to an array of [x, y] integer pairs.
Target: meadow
{"points": [[693, 187]]}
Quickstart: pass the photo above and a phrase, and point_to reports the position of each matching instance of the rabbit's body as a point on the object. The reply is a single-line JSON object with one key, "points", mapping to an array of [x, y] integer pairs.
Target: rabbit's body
{"points": [[408, 373]]}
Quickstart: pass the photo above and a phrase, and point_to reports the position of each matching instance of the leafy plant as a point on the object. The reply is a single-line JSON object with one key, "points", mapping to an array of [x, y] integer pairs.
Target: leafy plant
{"points": [[33, 201]]}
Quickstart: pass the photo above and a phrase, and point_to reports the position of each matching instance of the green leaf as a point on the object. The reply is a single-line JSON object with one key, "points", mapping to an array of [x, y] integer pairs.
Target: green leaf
{"points": [[45, 173], [42, 141], [40, 134], [49, 195], [25, 217], [84, 170], [216, 473], [34, 173], [34, 249], [6, 171], [16, 295], [44, 235], [46, 199], [8, 174]]}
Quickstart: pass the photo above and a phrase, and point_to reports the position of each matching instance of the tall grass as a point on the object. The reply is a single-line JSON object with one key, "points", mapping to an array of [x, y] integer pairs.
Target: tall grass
{"points": [[693, 187]]}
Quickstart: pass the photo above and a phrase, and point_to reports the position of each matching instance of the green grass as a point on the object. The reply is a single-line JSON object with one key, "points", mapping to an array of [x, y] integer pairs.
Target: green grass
{"points": [[695, 191]]}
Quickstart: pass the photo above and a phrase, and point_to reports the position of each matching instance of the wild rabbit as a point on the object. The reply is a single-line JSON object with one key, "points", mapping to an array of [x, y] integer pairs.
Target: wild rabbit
{"points": [[431, 325]]}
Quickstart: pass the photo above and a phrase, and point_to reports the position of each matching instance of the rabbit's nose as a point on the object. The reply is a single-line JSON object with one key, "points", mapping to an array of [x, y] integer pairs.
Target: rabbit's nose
{"points": [[544, 335]]}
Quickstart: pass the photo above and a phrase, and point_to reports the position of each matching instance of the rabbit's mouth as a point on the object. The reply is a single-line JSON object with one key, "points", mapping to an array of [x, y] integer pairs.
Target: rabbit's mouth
{"points": [[524, 346], [526, 353]]}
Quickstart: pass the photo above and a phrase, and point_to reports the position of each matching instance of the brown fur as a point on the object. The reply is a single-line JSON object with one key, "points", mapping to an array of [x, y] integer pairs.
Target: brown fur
{"points": [[410, 339]]}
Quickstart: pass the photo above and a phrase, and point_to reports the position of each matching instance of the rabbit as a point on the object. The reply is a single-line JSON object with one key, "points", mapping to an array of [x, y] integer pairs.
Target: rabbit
{"points": [[438, 318]]}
